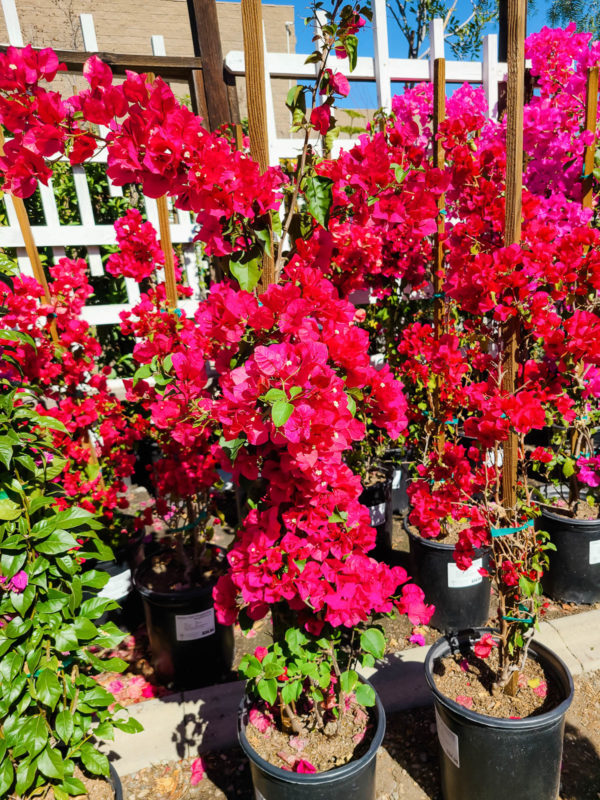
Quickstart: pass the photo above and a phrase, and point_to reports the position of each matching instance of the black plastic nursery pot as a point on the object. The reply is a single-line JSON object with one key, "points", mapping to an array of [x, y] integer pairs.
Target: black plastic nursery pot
{"points": [[354, 780], [119, 586], [189, 647], [573, 573], [399, 474], [461, 597], [378, 499], [488, 758], [115, 782]]}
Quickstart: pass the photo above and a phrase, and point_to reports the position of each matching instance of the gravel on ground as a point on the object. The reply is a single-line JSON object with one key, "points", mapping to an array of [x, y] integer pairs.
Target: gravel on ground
{"points": [[407, 762]]}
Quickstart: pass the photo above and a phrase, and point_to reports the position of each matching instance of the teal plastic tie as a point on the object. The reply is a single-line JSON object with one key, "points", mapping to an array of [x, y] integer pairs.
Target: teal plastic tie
{"points": [[506, 531], [524, 620]]}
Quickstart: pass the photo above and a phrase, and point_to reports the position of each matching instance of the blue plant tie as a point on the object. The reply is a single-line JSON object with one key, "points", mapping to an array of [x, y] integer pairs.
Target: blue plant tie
{"points": [[524, 620], [496, 532]]}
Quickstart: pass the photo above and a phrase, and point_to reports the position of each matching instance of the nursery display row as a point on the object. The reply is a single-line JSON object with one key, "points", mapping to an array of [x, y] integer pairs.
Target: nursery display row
{"points": [[464, 395]]}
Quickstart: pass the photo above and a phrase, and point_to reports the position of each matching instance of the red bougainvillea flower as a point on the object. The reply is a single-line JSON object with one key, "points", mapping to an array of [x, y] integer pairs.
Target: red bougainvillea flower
{"points": [[484, 646]]}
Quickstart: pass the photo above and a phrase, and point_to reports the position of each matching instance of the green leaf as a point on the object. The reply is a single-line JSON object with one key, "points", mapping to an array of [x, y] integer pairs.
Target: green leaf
{"points": [[247, 275], [350, 45], [48, 690], [7, 775], [73, 786], [26, 772], [59, 793], [57, 542], [11, 665], [295, 391], [22, 601], [291, 691], [348, 681], [295, 639], [275, 394], [131, 725], [568, 467], [35, 734], [64, 725], [94, 761], [6, 450], [9, 510], [281, 412], [365, 695], [50, 763], [273, 670], [106, 730], [267, 689], [319, 197], [250, 666], [373, 641]]}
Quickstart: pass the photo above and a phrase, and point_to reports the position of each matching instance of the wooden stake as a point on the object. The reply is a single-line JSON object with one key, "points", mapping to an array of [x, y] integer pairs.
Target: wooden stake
{"points": [[32, 251], [207, 44], [512, 231], [254, 55], [439, 307], [167, 248], [166, 244], [591, 121]]}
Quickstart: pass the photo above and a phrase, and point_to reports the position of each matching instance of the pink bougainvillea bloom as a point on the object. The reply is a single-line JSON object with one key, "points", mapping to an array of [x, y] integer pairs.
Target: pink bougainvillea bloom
{"points": [[484, 646], [260, 652], [261, 721], [304, 766], [320, 119], [115, 686], [417, 638], [197, 771], [465, 701], [17, 583]]}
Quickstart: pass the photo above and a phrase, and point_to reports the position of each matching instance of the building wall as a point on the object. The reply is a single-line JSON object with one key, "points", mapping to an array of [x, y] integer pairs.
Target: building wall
{"points": [[126, 27]]}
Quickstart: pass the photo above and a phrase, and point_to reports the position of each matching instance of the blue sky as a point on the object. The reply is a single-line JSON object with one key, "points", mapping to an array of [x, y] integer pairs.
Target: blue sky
{"points": [[363, 94]]}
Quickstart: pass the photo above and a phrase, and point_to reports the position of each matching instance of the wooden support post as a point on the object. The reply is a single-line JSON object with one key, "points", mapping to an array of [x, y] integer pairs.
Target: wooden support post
{"points": [[32, 251], [517, 10], [257, 103], [167, 248], [439, 307], [591, 122], [255, 81], [207, 44]]}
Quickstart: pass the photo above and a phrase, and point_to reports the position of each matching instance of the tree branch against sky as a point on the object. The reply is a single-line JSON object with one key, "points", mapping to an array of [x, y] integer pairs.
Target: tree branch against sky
{"points": [[463, 32], [585, 13]]}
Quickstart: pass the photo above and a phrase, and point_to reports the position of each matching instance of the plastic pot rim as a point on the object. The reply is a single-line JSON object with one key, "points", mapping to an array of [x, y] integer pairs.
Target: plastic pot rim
{"points": [[115, 781], [173, 597], [562, 518], [443, 647], [314, 778]]}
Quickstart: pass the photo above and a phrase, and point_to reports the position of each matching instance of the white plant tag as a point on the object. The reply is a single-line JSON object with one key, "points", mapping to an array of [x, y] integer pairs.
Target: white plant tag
{"points": [[117, 586], [448, 740], [194, 626], [396, 478], [377, 514], [461, 578], [595, 552]]}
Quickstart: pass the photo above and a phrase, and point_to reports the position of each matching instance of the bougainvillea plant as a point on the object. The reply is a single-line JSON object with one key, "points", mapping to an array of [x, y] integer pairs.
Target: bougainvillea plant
{"points": [[51, 707]]}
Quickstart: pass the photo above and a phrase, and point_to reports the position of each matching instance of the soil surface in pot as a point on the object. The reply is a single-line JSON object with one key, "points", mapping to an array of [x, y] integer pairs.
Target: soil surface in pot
{"points": [[167, 574], [449, 534], [581, 510], [374, 476], [97, 788], [469, 681], [324, 750]]}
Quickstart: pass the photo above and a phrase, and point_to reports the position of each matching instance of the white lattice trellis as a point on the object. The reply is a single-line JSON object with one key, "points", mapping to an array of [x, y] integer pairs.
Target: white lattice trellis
{"points": [[89, 234]]}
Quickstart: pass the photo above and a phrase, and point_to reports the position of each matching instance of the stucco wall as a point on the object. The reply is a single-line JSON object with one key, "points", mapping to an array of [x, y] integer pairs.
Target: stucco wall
{"points": [[125, 26]]}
